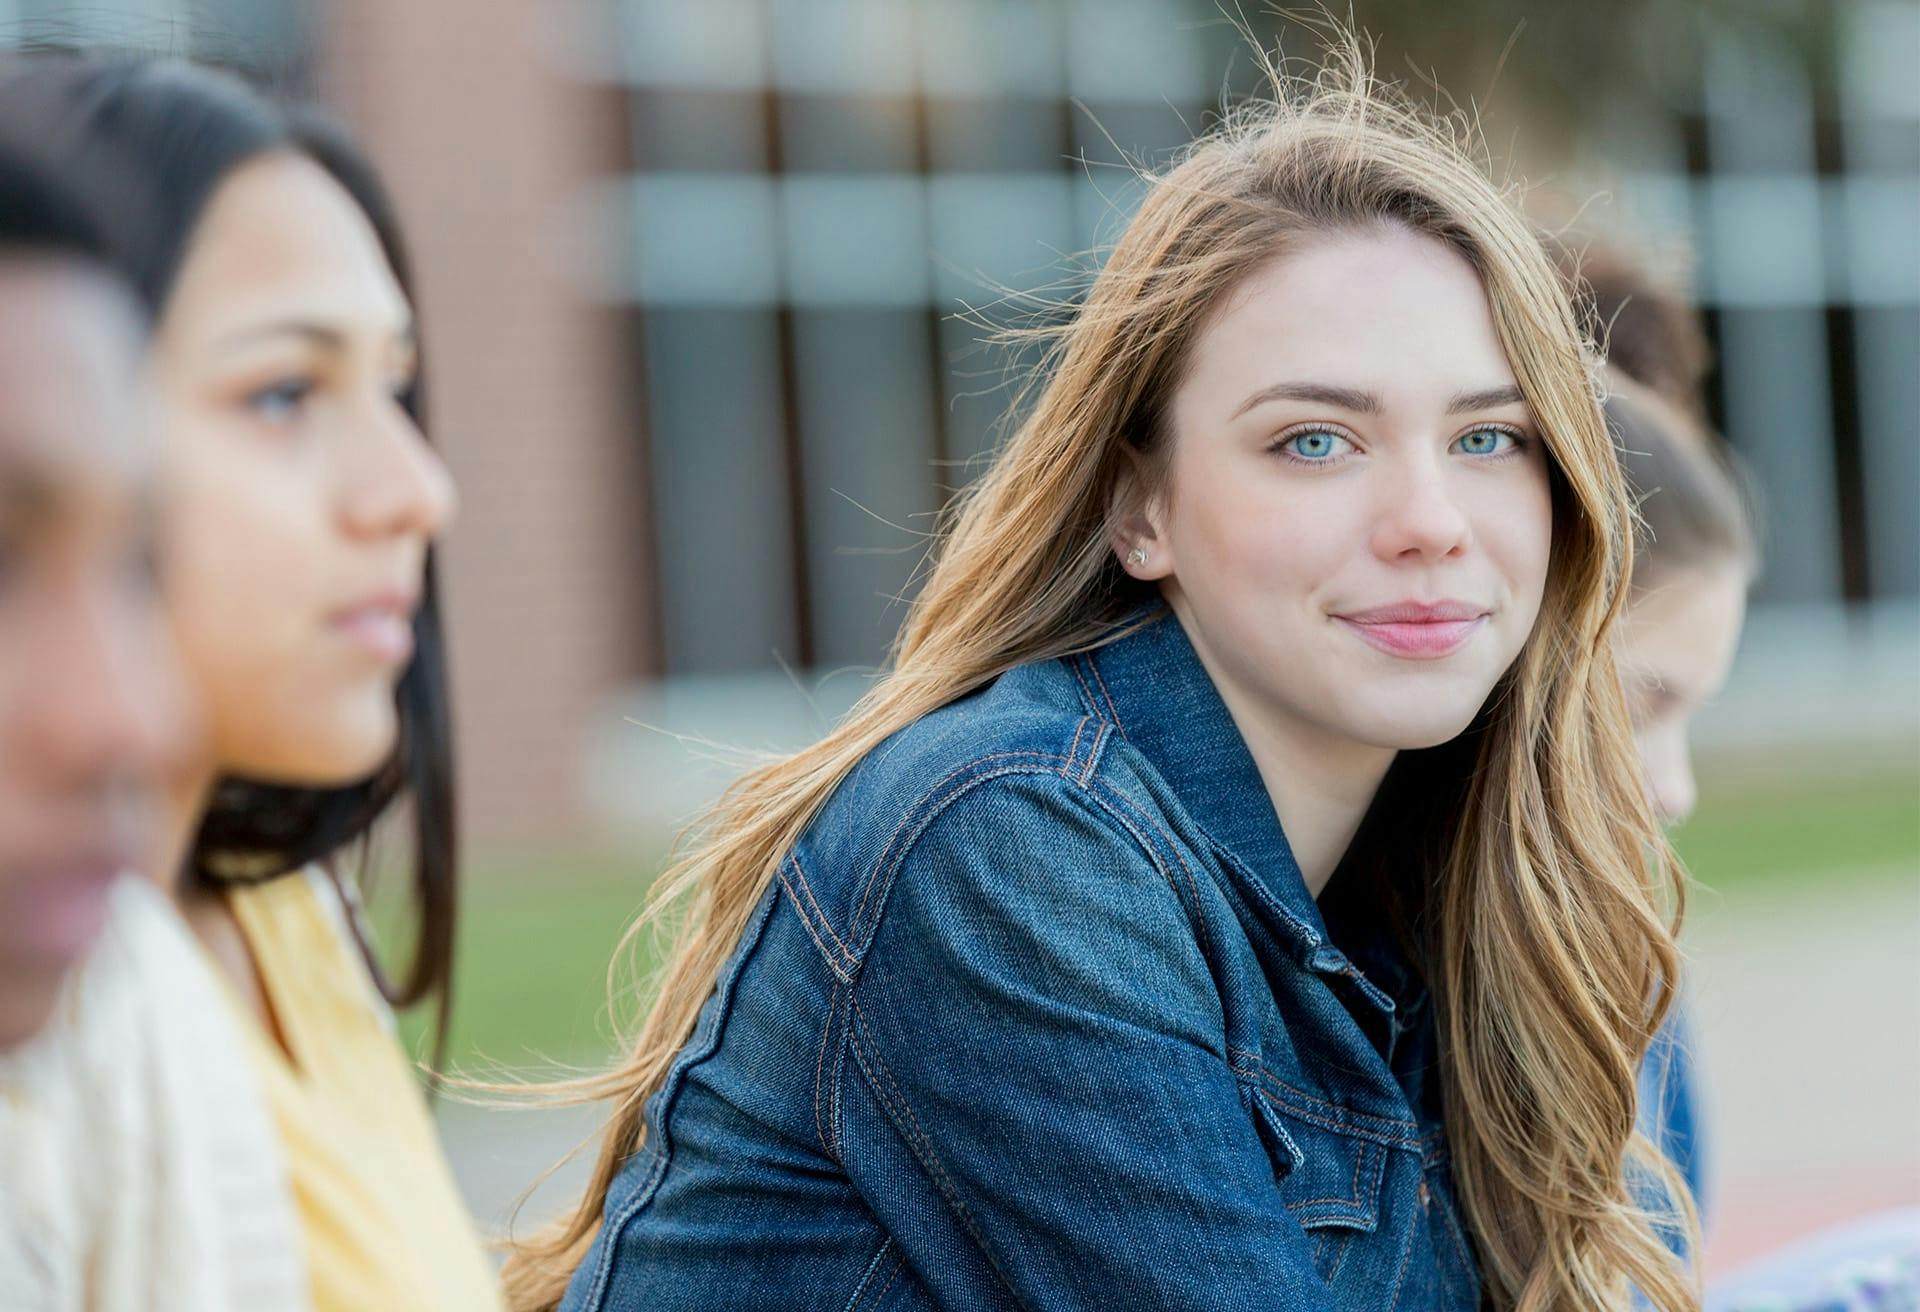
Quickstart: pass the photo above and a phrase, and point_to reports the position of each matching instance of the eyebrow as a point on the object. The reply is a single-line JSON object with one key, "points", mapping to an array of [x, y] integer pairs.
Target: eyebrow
{"points": [[1490, 398], [1368, 403], [1346, 398], [320, 334]]}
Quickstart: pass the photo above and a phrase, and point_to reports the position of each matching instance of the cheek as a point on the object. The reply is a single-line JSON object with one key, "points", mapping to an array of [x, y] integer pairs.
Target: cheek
{"points": [[245, 544], [1514, 524], [1240, 528]]}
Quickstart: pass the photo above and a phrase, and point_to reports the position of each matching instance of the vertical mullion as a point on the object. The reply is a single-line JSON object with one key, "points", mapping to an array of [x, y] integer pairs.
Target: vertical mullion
{"points": [[789, 383]]}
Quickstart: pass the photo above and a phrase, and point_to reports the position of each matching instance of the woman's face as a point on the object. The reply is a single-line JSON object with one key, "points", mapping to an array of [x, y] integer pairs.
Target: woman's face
{"points": [[91, 707], [1677, 645], [1356, 521], [302, 497]]}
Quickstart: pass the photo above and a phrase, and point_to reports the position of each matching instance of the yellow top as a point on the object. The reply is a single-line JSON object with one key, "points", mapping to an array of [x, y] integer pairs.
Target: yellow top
{"points": [[383, 1224]]}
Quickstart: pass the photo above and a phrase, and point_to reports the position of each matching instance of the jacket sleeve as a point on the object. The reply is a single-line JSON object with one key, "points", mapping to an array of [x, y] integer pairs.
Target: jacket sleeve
{"points": [[1037, 1022], [1670, 1111]]}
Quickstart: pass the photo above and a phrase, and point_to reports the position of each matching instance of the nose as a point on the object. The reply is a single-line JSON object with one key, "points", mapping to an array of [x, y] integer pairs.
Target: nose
{"points": [[1420, 518], [396, 485], [1668, 767]]}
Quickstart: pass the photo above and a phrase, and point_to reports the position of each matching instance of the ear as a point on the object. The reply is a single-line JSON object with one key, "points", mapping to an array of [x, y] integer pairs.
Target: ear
{"points": [[1136, 520]]}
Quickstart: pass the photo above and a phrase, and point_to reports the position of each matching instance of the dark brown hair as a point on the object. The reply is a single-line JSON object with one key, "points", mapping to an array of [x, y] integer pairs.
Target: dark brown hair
{"points": [[1695, 501], [183, 130]]}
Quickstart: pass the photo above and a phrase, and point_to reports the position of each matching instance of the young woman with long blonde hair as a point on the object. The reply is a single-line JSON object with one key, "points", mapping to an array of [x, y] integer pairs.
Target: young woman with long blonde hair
{"points": [[1239, 891]]}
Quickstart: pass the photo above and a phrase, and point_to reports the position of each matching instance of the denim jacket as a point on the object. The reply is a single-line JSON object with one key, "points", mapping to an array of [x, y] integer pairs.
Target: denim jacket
{"points": [[1039, 1014]]}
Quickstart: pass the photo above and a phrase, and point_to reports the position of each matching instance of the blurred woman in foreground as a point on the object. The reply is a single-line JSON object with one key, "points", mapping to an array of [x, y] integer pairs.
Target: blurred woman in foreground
{"points": [[137, 1166], [303, 501]]}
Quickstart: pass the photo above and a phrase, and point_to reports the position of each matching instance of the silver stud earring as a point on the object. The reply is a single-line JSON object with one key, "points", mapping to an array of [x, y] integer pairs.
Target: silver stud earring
{"points": [[1137, 557]]}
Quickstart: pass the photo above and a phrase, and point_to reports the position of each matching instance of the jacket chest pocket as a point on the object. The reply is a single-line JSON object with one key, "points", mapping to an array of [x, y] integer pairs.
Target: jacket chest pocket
{"points": [[1329, 1177]]}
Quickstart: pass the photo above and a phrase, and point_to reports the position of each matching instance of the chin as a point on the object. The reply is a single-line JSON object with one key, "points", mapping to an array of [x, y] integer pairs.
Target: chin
{"points": [[1410, 726], [348, 748]]}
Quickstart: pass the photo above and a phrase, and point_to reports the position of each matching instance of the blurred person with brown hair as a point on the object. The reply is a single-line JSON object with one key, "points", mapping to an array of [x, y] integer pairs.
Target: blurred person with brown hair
{"points": [[1240, 891], [303, 502], [137, 1169], [1697, 547], [1695, 554], [1695, 557], [1647, 328], [1698, 551]]}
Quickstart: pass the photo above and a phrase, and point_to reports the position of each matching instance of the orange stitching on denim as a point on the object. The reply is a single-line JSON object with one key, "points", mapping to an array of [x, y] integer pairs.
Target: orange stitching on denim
{"points": [[1093, 753], [865, 1286], [1066, 766], [1346, 1246], [807, 923], [926, 804], [1322, 1120], [899, 1262], [1094, 665], [1400, 1279], [1086, 690], [1199, 912], [1354, 1201], [942, 1180], [819, 1066], [1248, 1062], [825, 924]]}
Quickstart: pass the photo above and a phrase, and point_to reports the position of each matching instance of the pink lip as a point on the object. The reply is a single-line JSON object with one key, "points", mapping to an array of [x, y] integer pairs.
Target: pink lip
{"points": [[382, 624], [1416, 630]]}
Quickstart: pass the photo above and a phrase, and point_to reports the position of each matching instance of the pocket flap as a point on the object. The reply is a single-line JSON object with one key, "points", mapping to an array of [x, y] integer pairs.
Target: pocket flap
{"points": [[1326, 1177]]}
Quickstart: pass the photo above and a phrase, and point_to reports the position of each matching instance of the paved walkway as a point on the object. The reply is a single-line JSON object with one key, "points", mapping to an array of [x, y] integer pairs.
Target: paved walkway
{"points": [[1808, 1001]]}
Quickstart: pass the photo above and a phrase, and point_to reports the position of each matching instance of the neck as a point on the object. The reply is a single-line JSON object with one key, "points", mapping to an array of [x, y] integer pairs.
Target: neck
{"points": [[187, 795], [1321, 787], [1321, 784]]}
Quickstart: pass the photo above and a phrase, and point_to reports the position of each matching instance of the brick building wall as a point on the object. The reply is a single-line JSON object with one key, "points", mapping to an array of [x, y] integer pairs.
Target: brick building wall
{"points": [[485, 143]]}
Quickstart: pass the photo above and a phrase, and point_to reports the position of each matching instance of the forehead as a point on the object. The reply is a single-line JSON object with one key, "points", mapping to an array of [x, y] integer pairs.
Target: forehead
{"points": [[1389, 310], [1685, 629], [281, 238]]}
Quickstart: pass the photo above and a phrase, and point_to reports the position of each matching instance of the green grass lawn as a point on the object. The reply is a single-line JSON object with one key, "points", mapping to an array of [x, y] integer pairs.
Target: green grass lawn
{"points": [[1769, 832], [536, 937], [538, 932]]}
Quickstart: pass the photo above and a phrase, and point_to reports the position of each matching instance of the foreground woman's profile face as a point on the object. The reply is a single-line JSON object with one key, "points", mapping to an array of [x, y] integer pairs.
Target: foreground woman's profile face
{"points": [[1356, 524], [304, 495], [91, 708]]}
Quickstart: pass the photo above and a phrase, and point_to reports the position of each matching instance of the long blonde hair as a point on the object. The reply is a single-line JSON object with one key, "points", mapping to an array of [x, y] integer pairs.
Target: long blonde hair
{"points": [[1556, 898]]}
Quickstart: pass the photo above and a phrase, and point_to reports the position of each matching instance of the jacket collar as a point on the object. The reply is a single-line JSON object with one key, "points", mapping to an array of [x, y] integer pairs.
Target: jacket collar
{"points": [[1161, 699]]}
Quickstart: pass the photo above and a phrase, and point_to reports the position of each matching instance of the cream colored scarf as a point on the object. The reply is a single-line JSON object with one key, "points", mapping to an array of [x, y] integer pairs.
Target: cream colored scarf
{"points": [[138, 1167]]}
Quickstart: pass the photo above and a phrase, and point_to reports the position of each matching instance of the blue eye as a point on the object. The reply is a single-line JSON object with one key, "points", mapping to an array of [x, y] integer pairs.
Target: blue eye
{"points": [[280, 402], [1315, 446], [1486, 442]]}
